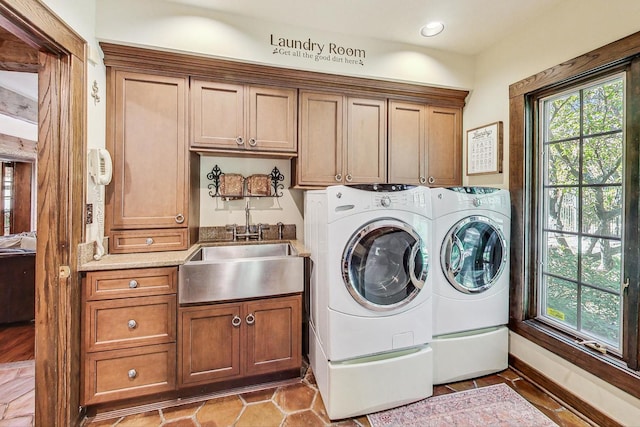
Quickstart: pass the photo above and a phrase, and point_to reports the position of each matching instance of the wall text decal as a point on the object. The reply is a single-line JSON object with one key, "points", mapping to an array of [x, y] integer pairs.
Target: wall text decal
{"points": [[317, 51]]}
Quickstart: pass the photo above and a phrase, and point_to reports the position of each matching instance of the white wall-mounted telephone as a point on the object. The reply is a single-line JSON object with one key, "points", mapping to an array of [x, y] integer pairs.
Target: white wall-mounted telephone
{"points": [[100, 167]]}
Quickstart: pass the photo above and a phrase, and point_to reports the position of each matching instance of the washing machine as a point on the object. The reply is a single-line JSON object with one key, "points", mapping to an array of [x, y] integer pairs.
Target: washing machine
{"points": [[470, 281], [370, 296]]}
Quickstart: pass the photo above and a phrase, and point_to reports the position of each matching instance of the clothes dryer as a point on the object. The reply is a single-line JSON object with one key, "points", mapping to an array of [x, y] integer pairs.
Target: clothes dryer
{"points": [[370, 295], [471, 281]]}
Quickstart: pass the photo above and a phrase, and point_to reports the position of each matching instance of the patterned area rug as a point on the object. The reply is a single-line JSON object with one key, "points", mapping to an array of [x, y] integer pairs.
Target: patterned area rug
{"points": [[496, 405]]}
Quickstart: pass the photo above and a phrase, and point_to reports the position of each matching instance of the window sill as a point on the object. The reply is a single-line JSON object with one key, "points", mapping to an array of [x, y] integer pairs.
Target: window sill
{"points": [[606, 367]]}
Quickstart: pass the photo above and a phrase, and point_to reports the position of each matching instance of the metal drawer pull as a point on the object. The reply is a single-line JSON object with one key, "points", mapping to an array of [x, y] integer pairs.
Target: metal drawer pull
{"points": [[253, 142], [132, 324], [431, 180], [149, 241], [349, 178], [133, 284], [339, 177], [180, 218], [251, 319], [236, 321], [239, 140], [423, 180], [132, 373]]}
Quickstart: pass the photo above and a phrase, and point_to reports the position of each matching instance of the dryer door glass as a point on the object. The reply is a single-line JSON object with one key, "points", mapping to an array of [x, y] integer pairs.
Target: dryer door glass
{"points": [[473, 254], [385, 264]]}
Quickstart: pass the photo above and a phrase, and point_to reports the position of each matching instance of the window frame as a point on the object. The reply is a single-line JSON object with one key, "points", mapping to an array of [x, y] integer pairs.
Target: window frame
{"points": [[522, 183]]}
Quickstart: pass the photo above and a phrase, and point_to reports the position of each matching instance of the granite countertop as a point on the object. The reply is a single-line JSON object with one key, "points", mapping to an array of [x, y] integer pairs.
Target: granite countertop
{"points": [[169, 258]]}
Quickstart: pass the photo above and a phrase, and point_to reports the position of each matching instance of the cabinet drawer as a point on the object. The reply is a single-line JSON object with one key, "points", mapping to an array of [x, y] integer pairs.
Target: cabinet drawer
{"points": [[130, 322], [130, 283], [131, 241], [121, 374]]}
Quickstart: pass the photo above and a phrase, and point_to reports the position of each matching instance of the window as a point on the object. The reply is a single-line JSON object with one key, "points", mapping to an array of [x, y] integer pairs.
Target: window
{"points": [[574, 177], [580, 210], [7, 196]]}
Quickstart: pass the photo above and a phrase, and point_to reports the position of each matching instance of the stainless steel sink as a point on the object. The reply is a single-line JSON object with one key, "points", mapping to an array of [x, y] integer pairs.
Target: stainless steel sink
{"points": [[246, 251], [222, 273]]}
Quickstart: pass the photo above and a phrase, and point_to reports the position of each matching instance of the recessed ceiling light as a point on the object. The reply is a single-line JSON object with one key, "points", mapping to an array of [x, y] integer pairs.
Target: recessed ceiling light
{"points": [[432, 29]]}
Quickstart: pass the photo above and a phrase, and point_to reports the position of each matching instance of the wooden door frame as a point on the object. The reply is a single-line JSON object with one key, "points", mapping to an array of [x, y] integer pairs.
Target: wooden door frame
{"points": [[61, 153]]}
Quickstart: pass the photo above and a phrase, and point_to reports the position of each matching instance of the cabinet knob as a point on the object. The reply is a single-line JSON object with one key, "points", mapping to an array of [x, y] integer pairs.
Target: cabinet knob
{"points": [[423, 180], [132, 373], [431, 180], [239, 140], [179, 218], [132, 324], [251, 319], [253, 142], [236, 321], [348, 178], [338, 177], [133, 284], [149, 241]]}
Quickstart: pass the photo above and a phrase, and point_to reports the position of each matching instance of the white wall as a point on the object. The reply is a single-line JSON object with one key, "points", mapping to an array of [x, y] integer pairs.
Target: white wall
{"points": [[574, 28], [171, 26]]}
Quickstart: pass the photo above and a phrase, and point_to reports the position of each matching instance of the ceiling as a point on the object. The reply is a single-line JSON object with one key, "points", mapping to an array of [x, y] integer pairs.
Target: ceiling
{"points": [[471, 26]]}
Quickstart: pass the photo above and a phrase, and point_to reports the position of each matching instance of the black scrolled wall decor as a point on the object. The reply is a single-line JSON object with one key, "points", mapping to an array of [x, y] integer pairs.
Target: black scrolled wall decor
{"points": [[275, 177]]}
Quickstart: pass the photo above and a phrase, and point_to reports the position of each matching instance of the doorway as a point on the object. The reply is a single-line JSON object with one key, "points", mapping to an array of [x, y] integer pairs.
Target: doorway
{"points": [[61, 67]]}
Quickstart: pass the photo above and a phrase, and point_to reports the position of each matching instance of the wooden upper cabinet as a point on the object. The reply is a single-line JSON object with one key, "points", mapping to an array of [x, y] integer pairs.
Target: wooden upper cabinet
{"points": [[218, 114], [147, 138], [444, 146], [322, 134], [343, 140], [407, 143], [243, 118], [366, 141], [425, 144]]}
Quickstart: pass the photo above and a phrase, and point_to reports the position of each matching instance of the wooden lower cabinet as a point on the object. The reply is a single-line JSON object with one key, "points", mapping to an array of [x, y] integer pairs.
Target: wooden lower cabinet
{"points": [[128, 334], [229, 341]]}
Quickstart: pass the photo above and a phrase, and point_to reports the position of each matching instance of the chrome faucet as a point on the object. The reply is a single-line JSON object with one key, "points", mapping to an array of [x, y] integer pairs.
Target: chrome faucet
{"points": [[247, 227]]}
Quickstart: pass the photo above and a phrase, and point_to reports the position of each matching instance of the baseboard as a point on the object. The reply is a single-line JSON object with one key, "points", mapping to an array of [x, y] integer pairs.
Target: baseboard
{"points": [[560, 393]]}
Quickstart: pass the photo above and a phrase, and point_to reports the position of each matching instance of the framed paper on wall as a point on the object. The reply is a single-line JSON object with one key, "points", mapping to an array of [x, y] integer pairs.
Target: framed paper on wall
{"points": [[484, 149]]}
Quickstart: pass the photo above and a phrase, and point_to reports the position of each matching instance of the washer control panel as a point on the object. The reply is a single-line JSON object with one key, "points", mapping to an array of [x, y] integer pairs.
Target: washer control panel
{"points": [[413, 198]]}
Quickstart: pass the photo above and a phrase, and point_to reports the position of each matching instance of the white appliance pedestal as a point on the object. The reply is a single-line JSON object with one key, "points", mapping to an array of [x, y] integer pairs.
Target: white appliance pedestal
{"points": [[369, 384], [472, 354]]}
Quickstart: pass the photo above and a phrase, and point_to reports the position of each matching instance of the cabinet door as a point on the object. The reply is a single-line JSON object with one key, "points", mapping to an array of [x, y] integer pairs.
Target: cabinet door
{"points": [[366, 141], [218, 115], [407, 140], [148, 143], [444, 145], [274, 335], [272, 119], [210, 338], [320, 154]]}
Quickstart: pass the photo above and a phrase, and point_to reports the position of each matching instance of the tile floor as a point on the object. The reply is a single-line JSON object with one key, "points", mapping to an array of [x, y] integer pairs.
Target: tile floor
{"points": [[300, 404], [17, 394]]}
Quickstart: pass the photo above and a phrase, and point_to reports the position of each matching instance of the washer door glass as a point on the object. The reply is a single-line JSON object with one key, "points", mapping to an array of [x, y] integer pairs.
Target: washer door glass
{"points": [[473, 255], [385, 264]]}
